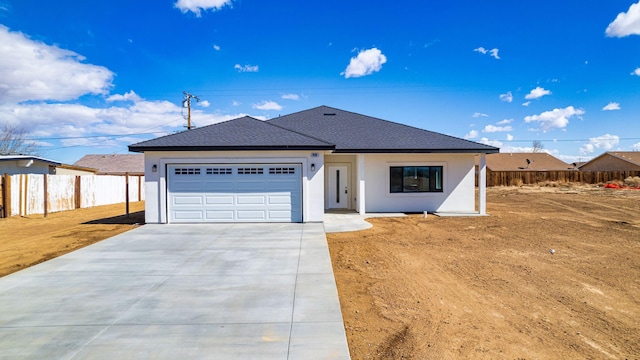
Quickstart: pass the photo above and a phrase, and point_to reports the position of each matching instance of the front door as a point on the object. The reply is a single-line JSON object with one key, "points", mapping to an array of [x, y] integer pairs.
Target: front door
{"points": [[338, 187]]}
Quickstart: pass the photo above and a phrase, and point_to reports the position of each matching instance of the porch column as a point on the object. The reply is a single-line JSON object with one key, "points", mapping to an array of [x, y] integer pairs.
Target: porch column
{"points": [[361, 185], [482, 185]]}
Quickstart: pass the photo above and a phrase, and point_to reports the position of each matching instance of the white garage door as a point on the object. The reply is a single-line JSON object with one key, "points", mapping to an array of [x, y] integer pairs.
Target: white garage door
{"points": [[234, 193]]}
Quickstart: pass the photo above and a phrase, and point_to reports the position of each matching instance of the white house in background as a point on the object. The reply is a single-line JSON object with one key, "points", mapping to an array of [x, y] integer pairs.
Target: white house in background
{"points": [[26, 164], [295, 167]]}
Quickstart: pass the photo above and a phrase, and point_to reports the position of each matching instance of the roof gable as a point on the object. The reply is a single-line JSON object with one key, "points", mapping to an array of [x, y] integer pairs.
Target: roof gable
{"points": [[352, 132], [244, 133]]}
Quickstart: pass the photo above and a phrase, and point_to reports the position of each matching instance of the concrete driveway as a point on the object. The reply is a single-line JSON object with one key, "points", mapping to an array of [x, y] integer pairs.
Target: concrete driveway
{"points": [[228, 291]]}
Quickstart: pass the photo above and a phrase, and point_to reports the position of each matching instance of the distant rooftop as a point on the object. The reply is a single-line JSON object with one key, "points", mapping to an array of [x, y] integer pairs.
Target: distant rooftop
{"points": [[113, 164]]}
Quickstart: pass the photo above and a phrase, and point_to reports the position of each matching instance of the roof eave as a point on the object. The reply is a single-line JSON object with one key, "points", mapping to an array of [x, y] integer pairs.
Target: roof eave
{"points": [[230, 148], [418, 151]]}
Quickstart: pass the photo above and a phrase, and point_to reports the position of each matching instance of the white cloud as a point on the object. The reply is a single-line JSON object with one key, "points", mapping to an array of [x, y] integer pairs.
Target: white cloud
{"points": [[365, 63], [625, 24], [267, 105], [33, 70], [478, 114], [554, 119], [216, 47], [505, 121], [635, 147], [291, 97], [471, 135], [526, 103], [493, 128], [235, 103], [495, 143], [493, 52], [196, 6], [246, 68], [636, 72], [605, 142], [537, 93], [130, 96], [611, 106], [508, 97], [509, 137], [204, 103]]}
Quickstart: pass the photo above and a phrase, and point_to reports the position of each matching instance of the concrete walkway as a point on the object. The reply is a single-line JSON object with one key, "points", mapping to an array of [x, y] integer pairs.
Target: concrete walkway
{"points": [[256, 291], [335, 222]]}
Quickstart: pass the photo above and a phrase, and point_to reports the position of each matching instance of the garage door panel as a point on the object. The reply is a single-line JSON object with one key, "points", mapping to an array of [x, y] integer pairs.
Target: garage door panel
{"points": [[187, 185], [252, 186], [252, 215], [219, 199], [187, 200], [220, 215], [188, 215], [219, 186], [277, 199], [234, 193], [251, 199]]}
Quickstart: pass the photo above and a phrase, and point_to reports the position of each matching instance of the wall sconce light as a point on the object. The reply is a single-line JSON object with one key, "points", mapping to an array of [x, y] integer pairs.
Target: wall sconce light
{"points": [[154, 168], [313, 167]]}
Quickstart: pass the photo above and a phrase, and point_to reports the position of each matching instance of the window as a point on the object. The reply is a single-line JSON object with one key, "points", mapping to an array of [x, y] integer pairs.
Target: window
{"points": [[250, 171], [409, 179], [187, 171], [282, 170], [219, 171]]}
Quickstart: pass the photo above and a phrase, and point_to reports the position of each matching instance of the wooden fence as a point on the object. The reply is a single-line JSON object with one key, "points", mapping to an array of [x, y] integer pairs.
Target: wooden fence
{"points": [[28, 194], [511, 178]]}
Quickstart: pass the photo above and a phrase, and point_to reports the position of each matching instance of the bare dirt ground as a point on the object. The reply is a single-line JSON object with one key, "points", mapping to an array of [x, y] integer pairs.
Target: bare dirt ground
{"points": [[489, 287], [26, 241]]}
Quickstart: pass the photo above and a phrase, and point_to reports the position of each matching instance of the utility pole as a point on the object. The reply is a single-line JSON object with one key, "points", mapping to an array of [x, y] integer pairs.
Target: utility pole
{"points": [[187, 100]]}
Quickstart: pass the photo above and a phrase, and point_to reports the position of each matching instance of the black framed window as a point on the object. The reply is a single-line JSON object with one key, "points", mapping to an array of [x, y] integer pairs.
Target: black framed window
{"points": [[411, 179]]}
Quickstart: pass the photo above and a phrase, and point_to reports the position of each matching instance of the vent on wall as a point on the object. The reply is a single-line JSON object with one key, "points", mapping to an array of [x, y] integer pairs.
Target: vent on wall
{"points": [[329, 114]]}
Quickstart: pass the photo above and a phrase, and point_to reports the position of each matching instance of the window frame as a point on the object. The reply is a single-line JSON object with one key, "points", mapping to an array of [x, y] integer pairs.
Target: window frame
{"points": [[433, 182]]}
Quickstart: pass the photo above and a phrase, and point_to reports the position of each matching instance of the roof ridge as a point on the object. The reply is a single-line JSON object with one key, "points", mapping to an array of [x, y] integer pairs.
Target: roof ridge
{"points": [[298, 132]]}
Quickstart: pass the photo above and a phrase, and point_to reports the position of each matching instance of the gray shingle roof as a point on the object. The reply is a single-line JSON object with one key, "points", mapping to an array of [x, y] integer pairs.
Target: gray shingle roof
{"points": [[114, 164], [352, 132], [318, 128], [245, 133]]}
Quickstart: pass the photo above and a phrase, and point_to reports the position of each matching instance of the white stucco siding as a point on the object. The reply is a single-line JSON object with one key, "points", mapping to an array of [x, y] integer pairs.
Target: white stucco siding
{"points": [[458, 193], [312, 181]]}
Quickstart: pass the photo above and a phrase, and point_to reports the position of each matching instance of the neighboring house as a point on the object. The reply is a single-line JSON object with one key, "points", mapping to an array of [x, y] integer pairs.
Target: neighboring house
{"points": [[526, 162], [294, 167], [26, 164], [114, 164], [614, 161]]}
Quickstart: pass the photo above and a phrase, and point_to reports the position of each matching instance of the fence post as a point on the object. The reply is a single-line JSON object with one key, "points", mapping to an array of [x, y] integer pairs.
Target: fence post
{"points": [[6, 195], [126, 189], [46, 194], [77, 192]]}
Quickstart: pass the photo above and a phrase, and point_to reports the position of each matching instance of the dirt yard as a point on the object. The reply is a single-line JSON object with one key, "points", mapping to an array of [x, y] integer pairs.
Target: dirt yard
{"points": [[490, 287], [26, 241]]}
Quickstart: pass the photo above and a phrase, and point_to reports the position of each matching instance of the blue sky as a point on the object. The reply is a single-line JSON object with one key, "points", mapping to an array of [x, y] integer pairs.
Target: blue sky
{"points": [[93, 77]]}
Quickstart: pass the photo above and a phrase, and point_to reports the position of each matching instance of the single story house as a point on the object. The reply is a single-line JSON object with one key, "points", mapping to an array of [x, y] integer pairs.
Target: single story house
{"points": [[113, 164], [27, 164], [614, 161], [294, 167], [538, 161]]}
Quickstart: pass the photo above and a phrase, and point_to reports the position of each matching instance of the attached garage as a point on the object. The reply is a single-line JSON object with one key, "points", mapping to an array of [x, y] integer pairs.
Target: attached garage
{"points": [[234, 193]]}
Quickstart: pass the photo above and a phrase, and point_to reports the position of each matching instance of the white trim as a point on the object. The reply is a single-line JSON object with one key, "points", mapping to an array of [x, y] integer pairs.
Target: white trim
{"points": [[360, 194], [482, 185]]}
